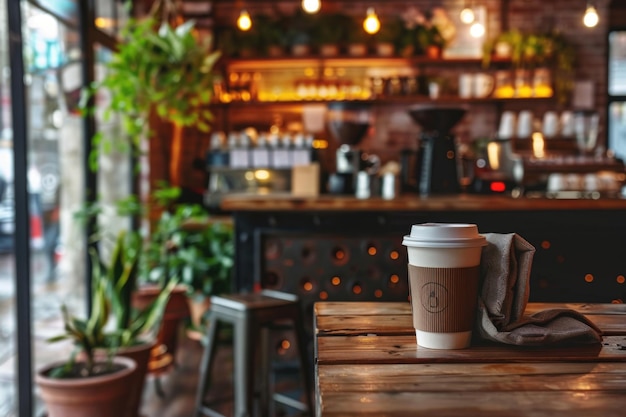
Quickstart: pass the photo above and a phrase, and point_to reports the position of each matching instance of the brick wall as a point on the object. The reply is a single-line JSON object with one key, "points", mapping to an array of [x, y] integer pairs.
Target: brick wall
{"points": [[394, 129]]}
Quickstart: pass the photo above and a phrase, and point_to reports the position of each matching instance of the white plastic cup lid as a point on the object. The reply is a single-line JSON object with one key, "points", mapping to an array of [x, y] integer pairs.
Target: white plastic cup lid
{"points": [[448, 235]]}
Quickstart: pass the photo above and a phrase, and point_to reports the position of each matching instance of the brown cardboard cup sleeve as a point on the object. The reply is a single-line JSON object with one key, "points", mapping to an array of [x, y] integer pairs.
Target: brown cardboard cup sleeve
{"points": [[443, 300]]}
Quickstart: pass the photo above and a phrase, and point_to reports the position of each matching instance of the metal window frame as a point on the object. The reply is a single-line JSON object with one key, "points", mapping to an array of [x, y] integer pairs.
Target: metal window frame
{"points": [[89, 35]]}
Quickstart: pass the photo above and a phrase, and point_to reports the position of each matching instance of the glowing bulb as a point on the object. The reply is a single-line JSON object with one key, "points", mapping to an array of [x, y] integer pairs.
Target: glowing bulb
{"points": [[244, 22], [467, 15], [591, 19], [371, 24], [477, 30], [311, 6]]}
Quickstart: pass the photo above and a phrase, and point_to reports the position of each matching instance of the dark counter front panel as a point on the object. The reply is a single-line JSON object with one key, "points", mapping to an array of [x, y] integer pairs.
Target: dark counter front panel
{"points": [[347, 255]]}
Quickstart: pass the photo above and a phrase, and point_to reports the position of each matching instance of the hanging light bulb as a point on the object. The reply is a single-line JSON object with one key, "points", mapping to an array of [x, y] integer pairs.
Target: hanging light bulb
{"points": [[244, 22], [467, 15], [591, 19], [371, 24], [311, 6], [477, 30]]}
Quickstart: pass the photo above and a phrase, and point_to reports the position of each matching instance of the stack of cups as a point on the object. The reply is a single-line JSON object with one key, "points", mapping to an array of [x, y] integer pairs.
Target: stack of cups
{"points": [[444, 275]]}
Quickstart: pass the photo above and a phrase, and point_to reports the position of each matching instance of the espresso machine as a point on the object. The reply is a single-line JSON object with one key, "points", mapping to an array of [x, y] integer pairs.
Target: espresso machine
{"points": [[348, 124], [436, 167]]}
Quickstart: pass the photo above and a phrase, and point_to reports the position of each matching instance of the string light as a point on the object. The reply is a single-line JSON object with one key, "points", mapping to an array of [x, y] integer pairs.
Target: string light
{"points": [[371, 24], [591, 18], [311, 6], [244, 22]]}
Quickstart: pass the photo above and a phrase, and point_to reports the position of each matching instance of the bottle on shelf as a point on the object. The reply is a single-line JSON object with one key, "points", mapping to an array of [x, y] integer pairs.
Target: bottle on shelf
{"points": [[301, 153], [217, 156], [238, 145]]}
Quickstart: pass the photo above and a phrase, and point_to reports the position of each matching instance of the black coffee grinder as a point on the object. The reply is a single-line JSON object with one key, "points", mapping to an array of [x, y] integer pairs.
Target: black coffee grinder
{"points": [[437, 164], [348, 124]]}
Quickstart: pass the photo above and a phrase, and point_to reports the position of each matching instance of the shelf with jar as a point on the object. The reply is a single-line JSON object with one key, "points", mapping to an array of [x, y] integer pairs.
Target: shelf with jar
{"points": [[388, 81]]}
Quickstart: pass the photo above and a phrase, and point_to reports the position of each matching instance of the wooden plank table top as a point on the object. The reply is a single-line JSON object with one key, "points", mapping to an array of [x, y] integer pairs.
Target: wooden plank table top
{"points": [[368, 363]]}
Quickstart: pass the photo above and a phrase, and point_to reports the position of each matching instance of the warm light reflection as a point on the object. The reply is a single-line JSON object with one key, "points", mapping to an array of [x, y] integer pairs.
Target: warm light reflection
{"points": [[104, 23], [538, 145], [493, 150], [589, 278], [262, 174]]}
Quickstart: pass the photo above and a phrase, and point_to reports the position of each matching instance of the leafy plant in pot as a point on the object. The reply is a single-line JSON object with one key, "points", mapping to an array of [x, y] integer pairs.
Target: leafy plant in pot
{"points": [[134, 329], [113, 333], [198, 249]]}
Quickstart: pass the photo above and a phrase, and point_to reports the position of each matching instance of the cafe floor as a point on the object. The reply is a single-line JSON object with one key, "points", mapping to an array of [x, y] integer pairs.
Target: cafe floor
{"points": [[178, 386]]}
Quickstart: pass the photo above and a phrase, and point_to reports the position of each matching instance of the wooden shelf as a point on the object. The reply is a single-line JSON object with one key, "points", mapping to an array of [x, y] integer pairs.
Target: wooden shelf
{"points": [[400, 100], [260, 63]]}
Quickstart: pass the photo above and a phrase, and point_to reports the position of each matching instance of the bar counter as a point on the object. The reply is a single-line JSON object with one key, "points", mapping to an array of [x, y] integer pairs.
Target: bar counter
{"points": [[340, 248], [368, 363], [461, 202]]}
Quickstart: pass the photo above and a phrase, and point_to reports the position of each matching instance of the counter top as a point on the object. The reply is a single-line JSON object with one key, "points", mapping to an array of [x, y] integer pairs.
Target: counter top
{"points": [[460, 202]]}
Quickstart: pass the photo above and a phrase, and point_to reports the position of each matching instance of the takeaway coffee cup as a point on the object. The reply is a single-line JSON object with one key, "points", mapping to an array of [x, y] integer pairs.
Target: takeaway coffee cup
{"points": [[444, 274]]}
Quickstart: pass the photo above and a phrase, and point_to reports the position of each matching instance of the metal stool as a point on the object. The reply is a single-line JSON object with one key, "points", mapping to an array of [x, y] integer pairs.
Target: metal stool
{"points": [[251, 316]]}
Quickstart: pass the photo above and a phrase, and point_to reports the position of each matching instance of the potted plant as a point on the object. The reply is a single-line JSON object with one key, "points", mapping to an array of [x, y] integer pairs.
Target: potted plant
{"points": [[385, 38], [357, 39], [134, 330], [272, 35], [199, 252], [300, 28], [329, 33], [159, 71], [88, 384]]}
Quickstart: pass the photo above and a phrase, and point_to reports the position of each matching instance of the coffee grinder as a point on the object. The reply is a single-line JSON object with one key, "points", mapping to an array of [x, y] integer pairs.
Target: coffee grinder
{"points": [[437, 164], [348, 124]]}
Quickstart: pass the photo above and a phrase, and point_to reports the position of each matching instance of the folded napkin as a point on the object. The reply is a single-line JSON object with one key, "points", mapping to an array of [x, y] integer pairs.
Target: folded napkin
{"points": [[505, 288]]}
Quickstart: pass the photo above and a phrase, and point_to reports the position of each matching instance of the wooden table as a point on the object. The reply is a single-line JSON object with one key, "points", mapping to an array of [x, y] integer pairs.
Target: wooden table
{"points": [[368, 363]]}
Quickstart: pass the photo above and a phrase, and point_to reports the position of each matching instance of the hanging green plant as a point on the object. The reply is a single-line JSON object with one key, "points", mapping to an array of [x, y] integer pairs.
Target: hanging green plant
{"points": [[159, 70]]}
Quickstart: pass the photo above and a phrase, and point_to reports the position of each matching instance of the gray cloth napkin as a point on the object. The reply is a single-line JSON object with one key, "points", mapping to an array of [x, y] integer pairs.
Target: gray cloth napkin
{"points": [[505, 273]]}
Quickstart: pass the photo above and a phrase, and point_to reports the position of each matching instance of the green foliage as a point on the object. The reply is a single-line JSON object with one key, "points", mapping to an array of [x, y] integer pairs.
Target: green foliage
{"points": [[86, 334], [160, 70], [113, 322], [189, 245], [271, 32], [331, 28]]}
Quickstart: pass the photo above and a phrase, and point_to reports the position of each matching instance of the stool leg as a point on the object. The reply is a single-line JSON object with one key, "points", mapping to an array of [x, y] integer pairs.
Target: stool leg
{"points": [[244, 377], [304, 361], [206, 364], [264, 382]]}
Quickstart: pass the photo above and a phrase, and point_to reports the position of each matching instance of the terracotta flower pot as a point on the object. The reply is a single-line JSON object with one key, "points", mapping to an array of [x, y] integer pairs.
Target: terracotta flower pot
{"points": [[141, 355], [98, 396], [175, 310]]}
